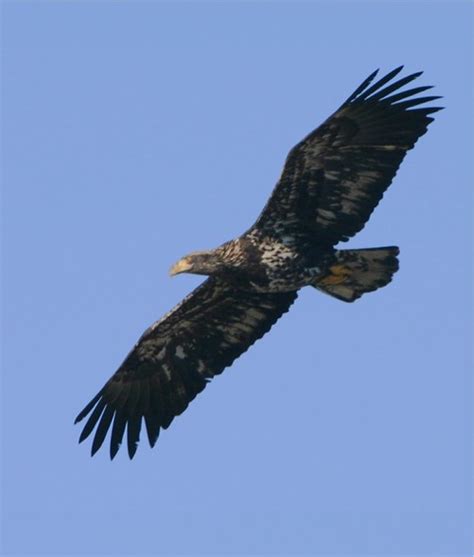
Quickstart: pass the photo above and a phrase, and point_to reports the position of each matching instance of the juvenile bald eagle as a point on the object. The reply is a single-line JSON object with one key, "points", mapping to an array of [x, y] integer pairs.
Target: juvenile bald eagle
{"points": [[330, 184]]}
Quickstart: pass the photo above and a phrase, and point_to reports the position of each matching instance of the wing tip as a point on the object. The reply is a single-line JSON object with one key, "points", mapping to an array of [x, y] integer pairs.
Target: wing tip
{"points": [[367, 81], [132, 449], [95, 448], [373, 74], [393, 93], [88, 408], [82, 437], [384, 86]]}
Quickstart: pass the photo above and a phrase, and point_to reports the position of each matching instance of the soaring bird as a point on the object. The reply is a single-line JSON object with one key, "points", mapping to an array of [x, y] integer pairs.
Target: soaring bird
{"points": [[331, 182]]}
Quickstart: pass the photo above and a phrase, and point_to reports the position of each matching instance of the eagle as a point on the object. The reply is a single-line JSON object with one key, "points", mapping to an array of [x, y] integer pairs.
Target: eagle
{"points": [[330, 184]]}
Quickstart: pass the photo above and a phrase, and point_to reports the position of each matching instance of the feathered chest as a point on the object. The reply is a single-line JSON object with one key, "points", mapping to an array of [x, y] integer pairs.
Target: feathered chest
{"points": [[271, 265]]}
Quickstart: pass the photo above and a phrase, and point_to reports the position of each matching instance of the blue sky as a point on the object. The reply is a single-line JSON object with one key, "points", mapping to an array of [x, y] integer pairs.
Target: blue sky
{"points": [[135, 132]]}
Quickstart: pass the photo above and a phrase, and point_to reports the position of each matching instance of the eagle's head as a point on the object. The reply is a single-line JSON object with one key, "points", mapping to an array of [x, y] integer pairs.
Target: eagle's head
{"points": [[198, 263]]}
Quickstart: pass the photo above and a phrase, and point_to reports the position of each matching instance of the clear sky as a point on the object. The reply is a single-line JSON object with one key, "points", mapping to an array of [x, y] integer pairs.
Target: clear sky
{"points": [[135, 132]]}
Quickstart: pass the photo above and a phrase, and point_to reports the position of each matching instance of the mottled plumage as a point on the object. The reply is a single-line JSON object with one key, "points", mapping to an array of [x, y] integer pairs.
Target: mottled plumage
{"points": [[330, 184], [176, 357]]}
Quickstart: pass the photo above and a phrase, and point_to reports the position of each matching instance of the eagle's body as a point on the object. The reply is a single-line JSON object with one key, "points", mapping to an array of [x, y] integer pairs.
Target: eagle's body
{"points": [[332, 181], [265, 264]]}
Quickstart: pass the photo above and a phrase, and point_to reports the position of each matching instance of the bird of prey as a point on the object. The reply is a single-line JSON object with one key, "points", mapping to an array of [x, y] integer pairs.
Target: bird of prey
{"points": [[331, 182]]}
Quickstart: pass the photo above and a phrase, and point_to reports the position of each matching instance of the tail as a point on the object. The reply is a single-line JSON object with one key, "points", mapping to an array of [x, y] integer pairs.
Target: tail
{"points": [[357, 271]]}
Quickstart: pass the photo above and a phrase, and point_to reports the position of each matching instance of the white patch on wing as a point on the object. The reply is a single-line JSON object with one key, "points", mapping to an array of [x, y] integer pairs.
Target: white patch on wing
{"points": [[180, 353], [243, 327], [329, 215], [332, 174], [375, 175], [231, 337], [167, 370], [229, 334], [390, 147], [201, 366], [257, 315]]}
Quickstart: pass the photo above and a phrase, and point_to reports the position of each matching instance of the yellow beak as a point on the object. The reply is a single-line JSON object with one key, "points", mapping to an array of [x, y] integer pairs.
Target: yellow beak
{"points": [[182, 266]]}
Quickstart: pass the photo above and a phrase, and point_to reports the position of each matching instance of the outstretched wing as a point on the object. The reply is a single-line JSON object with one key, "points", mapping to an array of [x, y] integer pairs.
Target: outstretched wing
{"points": [[175, 358], [336, 176]]}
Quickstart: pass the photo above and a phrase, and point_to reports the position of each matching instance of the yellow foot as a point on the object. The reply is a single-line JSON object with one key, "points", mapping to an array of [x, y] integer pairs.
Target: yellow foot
{"points": [[337, 275]]}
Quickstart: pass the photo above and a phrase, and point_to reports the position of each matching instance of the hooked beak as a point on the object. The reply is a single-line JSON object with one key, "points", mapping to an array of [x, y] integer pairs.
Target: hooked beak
{"points": [[182, 266]]}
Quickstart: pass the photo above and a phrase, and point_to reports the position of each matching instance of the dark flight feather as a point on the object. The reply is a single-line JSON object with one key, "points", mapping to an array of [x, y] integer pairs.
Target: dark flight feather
{"points": [[336, 176], [176, 357]]}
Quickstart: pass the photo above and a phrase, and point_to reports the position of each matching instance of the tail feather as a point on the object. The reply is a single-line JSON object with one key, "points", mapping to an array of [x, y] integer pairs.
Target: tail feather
{"points": [[357, 271]]}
